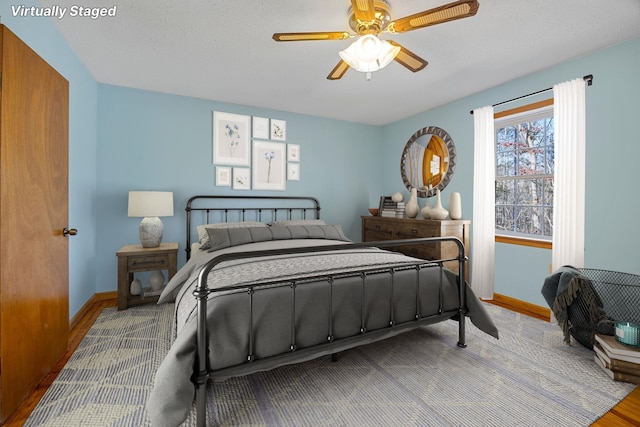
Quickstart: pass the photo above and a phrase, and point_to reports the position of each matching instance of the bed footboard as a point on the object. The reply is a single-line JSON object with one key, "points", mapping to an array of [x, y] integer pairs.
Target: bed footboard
{"points": [[332, 344]]}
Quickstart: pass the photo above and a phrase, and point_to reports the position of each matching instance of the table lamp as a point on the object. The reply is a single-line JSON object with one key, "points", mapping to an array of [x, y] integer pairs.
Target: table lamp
{"points": [[151, 205]]}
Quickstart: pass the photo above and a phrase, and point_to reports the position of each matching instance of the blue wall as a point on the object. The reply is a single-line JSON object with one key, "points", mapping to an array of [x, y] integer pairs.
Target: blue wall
{"points": [[123, 139], [153, 141], [613, 150], [42, 36]]}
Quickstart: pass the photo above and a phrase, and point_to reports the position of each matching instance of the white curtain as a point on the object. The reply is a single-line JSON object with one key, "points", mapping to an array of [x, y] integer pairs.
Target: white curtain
{"points": [[484, 199], [569, 174]]}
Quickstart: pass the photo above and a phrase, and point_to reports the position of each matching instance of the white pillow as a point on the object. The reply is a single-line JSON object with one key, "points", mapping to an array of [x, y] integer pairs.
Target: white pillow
{"points": [[203, 236]]}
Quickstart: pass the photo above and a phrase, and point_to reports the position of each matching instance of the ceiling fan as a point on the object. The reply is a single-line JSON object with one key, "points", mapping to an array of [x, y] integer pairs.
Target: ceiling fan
{"points": [[368, 19]]}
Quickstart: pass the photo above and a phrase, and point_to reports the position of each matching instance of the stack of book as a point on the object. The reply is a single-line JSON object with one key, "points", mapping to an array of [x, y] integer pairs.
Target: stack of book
{"points": [[621, 362], [389, 208]]}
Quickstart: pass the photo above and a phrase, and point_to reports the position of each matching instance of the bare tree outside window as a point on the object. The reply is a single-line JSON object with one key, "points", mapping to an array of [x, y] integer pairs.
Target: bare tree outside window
{"points": [[524, 175]]}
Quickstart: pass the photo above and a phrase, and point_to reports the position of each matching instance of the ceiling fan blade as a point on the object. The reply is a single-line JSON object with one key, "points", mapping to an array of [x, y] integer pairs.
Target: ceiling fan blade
{"points": [[294, 37], [408, 59], [338, 71], [437, 15], [363, 10]]}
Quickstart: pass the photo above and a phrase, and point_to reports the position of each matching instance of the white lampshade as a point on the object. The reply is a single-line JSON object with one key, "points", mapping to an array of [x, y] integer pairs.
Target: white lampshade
{"points": [[151, 205], [369, 53]]}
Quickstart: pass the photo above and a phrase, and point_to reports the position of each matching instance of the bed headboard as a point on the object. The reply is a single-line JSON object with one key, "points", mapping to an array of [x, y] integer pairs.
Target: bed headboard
{"points": [[206, 209]]}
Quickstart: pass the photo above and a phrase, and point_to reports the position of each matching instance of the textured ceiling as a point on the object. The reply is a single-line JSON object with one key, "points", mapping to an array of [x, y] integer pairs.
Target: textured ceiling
{"points": [[223, 50]]}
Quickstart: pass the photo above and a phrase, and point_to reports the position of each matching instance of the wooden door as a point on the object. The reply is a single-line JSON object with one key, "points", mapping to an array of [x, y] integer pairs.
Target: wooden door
{"points": [[34, 265]]}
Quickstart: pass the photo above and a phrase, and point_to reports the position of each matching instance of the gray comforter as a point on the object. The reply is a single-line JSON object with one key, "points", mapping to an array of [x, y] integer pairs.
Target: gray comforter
{"points": [[228, 311]]}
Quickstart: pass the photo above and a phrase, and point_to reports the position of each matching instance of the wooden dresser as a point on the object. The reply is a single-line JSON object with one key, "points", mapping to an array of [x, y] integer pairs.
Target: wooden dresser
{"points": [[377, 228]]}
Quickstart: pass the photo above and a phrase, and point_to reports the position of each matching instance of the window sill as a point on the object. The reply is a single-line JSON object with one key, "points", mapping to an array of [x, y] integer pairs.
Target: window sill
{"points": [[535, 243]]}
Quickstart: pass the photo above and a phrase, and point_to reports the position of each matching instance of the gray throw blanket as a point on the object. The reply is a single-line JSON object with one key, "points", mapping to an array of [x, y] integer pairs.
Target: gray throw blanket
{"points": [[577, 306]]}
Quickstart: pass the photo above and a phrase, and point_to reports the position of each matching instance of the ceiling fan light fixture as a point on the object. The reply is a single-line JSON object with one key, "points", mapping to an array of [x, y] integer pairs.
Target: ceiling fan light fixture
{"points": [[349, 56], [388, 52], [368, 48], [369, 53]]}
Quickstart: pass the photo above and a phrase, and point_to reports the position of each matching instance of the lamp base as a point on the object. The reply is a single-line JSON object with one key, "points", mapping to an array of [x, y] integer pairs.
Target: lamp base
{"points": [[150, 232]]}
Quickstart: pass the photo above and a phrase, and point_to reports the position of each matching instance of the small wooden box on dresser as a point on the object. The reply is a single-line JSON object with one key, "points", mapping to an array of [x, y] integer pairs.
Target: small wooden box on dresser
{"points": [[378, 228], [135, 258]]}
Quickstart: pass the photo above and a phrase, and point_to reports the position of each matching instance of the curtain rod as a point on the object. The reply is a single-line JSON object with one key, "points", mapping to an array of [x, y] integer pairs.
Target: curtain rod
{"points": [[587, 78]]}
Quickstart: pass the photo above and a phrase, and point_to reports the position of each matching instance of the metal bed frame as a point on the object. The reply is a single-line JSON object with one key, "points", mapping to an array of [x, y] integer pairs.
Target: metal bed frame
{"points": [[332, 345], [290, 205]]}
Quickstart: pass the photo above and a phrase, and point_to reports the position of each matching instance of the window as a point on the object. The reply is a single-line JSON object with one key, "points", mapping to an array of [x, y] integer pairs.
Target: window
{"points": [[524, 171]]}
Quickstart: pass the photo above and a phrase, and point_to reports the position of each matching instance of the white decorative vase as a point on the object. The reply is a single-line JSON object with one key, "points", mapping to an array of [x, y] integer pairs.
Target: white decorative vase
{"points": [[156, 280], [426, 211], [438, 212], [411, 209], [455, 206], [136, 287]]}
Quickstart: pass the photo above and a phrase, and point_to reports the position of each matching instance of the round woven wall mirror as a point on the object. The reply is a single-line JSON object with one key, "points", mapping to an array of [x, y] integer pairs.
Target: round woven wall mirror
{"points": [[428, 161]]}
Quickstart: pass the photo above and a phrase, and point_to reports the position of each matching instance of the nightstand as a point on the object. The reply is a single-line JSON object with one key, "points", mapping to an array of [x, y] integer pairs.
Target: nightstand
{"points": [[135, 258]]}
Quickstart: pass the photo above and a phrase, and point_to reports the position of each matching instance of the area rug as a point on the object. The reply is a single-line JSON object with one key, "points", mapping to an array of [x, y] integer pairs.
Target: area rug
{"points": [[528, 377]]}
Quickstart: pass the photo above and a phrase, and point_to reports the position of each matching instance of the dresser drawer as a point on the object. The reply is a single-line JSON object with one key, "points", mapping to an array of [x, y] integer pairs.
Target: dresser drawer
{"points": [[413, 231], [375, 236], [423, 250], [379, 228], [158, 262]]}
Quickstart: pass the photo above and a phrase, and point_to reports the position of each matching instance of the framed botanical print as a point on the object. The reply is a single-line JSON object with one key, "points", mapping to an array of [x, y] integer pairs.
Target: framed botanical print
{"points": [[241, 178], [293, 153], [231, 142], [260, 127], [269, 165], [293, 171], [278, 130], [223, 176]]}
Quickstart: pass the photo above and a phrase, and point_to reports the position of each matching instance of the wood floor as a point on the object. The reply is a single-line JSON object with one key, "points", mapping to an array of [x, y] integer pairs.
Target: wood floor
{"points": [[76, 334], [624, 414]]}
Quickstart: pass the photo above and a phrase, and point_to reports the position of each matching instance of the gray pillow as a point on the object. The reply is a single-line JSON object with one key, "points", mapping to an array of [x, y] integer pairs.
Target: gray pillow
{"points": [[300, 222], [221, 238], [203, 235], [333, 232], [225, 237]]}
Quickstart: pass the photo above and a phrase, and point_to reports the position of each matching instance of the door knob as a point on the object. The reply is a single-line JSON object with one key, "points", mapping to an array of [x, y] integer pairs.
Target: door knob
{"points": [[69, 232]]}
